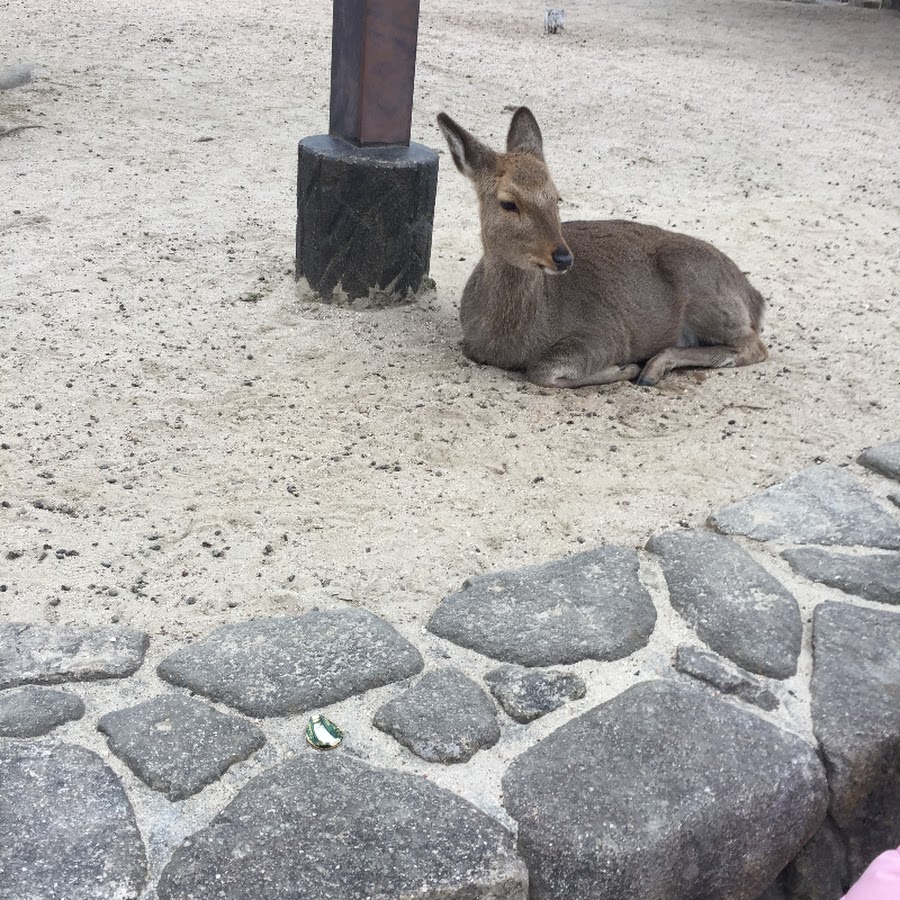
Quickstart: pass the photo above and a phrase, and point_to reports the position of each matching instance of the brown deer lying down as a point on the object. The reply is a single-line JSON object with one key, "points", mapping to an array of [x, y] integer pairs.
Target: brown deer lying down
{"points": [[636, 302]]}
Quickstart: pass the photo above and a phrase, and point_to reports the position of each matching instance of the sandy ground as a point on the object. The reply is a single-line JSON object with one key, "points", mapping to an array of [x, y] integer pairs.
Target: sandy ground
{"points": [[188, 440]]}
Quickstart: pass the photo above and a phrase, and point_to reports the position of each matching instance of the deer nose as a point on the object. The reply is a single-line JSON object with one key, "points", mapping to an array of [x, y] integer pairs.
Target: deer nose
{"points": [[562, 258]]}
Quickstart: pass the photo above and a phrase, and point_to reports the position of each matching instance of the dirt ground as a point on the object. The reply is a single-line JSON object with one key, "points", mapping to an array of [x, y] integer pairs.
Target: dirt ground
{"points": [[188, 439]]}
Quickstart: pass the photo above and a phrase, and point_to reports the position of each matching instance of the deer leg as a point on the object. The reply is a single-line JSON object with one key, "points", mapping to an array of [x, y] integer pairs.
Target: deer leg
{"points": [[604, 376], [570, 364], [750, 350]]}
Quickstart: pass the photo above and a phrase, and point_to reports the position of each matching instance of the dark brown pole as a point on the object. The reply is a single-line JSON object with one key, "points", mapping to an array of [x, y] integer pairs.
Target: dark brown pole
{"points": [[373, 69], [365, 194]]}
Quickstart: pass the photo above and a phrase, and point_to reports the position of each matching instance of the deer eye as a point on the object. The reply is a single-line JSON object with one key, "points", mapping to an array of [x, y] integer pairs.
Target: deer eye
{"points": [[509, 206]]}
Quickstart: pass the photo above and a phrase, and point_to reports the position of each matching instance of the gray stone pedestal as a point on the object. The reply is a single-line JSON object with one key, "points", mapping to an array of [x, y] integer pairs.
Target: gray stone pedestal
{"points": [[364, 217]]}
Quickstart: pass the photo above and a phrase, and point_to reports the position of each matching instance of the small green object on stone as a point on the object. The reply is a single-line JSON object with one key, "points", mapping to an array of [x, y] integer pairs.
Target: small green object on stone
{"points": [[322, 733]]}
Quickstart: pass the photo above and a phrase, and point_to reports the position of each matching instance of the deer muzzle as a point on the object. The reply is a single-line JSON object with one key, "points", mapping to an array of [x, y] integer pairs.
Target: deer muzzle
{"points": [[562, 258]]}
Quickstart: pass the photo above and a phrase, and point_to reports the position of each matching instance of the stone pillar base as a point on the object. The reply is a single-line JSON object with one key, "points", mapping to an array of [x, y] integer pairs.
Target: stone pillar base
{"points": [[364, 217]]}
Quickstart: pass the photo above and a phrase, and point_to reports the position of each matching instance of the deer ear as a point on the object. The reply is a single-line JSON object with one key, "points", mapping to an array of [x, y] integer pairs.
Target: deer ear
{"points": [[469, 154], [524, 134]]}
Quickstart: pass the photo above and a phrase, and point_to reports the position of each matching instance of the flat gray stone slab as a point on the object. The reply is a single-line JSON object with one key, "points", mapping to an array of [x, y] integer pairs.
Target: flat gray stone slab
{"points": [[664, 791], [527, 694], [325, 825], [445, 717], [884, 459], [284, 666], [587, 606], [856, 717], [68, 830], [736, 606], [874, 576], [47, 654], [33, 711], [727, 678], [818, 872], [178, 745], [820, 505]]}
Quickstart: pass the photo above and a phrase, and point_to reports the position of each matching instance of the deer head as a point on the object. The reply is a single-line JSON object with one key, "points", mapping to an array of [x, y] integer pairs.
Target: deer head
{"points": [[519, 204]]}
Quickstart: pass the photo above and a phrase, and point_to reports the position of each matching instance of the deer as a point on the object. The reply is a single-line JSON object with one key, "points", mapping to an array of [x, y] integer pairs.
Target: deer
{"points": [[581, 303]]}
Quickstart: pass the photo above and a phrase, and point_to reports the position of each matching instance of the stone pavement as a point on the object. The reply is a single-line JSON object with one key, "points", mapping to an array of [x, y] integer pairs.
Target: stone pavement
{"points": [[764, 763]]}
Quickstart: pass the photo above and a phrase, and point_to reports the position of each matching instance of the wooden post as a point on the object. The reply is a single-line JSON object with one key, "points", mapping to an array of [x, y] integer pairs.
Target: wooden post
{"points": [[373, 68], [365, 194]]}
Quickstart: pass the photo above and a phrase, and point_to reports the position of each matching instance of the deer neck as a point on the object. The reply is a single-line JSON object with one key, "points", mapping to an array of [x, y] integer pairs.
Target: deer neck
{"points": [[514, 293], [504, 315]]}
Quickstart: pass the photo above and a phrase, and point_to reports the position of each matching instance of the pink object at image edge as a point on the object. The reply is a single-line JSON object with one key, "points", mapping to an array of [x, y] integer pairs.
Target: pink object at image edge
{"points": [[880, 881]]}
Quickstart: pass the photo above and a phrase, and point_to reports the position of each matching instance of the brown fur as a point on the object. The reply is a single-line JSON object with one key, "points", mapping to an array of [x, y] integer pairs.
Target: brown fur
{"points": [[637, 302]]}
